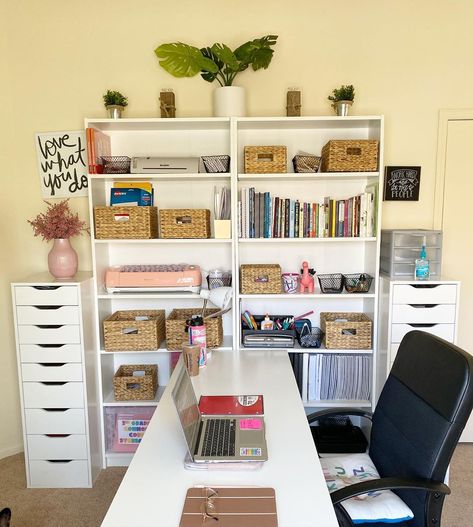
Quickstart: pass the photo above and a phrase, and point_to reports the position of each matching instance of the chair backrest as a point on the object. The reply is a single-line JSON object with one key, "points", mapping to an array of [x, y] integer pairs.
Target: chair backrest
{"points": [[421, 413]]}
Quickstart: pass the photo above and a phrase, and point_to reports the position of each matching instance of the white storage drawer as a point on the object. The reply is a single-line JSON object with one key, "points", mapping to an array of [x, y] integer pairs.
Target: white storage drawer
{"points": [[444, 331], [57, 447], [46, 295], [55, 421], [47, 314], [53, 395], [424, 294], [51, 372], [66, 473], [50, 353], [49, 334], [430, 313]]}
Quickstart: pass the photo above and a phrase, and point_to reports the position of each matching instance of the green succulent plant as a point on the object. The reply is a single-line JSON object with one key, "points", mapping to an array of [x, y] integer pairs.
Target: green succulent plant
{"points": [[217, 62], [114, 98], [344, 93]]}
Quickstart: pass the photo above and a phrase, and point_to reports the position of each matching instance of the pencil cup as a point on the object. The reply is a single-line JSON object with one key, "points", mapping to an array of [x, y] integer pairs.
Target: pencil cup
{"points": [[290, 282], [190, 354], [222, 229]]}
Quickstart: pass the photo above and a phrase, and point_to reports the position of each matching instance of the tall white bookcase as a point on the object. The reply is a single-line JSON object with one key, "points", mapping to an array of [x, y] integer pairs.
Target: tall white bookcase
{"points": [[213, 136]]}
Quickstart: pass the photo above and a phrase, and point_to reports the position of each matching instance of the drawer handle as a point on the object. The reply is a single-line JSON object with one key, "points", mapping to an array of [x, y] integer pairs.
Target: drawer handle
{"points": [[422, 325], [49, 326], [51, 364], [53, 383], [422, 306], [47, 307], [55, 409], [57, 435], [50, 345], [424, 286], [58, 460], [46, 287]]}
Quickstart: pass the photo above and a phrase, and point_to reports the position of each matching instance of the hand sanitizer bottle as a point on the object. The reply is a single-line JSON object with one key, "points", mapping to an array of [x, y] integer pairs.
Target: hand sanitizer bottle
{"points": [[422, 270]]}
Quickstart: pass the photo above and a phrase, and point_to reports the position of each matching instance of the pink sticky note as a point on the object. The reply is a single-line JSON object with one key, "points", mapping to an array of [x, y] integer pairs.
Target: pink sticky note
{"points": [[251, 424]]}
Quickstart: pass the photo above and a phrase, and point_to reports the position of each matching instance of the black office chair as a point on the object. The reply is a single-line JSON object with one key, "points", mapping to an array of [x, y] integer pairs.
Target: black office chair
{"points": [[417, 423]]}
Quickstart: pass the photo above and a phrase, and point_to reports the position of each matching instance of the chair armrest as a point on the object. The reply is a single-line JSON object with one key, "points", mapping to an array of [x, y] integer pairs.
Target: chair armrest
{"points": [[315, 416], [388, 484]]}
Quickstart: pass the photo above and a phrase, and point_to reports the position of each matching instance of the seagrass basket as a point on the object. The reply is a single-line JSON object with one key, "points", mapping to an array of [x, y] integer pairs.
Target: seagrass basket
{"points": [[176, 332], [132, 330], [128, 387], [350, 155], [346, 330], [184, 223], [259, 279], [126, 222], [265, 159]]}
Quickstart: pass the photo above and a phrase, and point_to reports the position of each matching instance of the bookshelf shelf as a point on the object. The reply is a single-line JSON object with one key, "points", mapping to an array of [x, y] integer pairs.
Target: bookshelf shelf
{"points": [[304, 296], [307, 240], [317, 176], [162, 177], [166, 241]]}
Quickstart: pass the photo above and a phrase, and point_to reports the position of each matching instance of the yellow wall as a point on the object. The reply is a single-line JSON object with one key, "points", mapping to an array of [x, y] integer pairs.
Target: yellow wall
{"points": [[407, 59]]}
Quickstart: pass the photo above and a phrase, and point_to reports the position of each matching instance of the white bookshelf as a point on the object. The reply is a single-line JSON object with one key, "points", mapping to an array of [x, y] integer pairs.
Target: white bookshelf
{"points": [[213, 136]]}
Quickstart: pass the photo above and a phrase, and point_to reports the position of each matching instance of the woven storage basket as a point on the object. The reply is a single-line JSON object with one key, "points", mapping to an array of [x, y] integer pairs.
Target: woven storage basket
{"points": [[353, 331], [184, 223], [265, 159], [176, 332], [130, 388], [126, 222], [350, 155], [257, 279], [123, 332]]}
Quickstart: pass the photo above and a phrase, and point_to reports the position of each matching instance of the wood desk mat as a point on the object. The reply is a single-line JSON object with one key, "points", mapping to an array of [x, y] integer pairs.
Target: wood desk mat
{"points": [[232, 506]]}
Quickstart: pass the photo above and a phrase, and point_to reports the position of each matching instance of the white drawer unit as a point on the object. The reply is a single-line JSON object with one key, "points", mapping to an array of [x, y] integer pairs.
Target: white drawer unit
{"points": [[407, 305], [55, 348]]}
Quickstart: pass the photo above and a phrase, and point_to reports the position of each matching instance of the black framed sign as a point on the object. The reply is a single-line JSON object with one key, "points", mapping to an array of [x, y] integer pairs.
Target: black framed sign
{"points": [[401, 183]]}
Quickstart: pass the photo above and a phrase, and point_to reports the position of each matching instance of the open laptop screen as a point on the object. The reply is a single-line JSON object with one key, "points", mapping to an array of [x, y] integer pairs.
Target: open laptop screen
{"points": [[187, 408]]}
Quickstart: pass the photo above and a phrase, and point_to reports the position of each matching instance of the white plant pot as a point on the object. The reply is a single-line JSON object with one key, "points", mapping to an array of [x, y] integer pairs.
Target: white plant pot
{"points": [[229, 101]]}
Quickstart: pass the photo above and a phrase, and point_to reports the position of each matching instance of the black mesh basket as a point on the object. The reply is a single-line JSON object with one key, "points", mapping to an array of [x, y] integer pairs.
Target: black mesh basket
{"points": [[357, 283], [310, 338], [116, 164], [331, 283], [216, 164]]}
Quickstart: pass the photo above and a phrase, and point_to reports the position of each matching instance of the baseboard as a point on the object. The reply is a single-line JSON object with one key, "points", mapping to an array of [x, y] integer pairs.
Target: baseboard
{"points": [[5, 452]]}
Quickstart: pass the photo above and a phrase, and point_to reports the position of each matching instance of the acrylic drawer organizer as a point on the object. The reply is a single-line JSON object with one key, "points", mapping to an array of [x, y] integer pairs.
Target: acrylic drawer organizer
{"points": [[126, 222], [184, 223], [176, 331], [350, 155]]}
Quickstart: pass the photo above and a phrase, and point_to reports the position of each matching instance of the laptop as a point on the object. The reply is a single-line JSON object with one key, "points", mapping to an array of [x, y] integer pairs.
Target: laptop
{"points": [[215, 439]]}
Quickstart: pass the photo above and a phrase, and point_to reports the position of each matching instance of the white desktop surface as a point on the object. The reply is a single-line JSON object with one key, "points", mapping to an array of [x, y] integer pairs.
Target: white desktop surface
{"points": [[153, 490]]}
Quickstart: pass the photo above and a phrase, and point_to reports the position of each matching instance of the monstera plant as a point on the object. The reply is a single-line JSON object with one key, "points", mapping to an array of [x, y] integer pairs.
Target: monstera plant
{"points": [[217, 62]]}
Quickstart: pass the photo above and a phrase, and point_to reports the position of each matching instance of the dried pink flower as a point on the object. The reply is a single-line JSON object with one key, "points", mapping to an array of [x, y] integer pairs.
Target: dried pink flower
{"points": [[58, 222]]}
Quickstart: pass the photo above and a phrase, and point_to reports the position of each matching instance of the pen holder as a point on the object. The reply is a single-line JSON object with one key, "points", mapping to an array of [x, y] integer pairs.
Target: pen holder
{"points": [[223, 229]]}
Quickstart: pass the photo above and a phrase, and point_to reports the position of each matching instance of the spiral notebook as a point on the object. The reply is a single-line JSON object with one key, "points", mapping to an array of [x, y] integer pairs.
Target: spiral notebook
{"points": [[231, 506]]}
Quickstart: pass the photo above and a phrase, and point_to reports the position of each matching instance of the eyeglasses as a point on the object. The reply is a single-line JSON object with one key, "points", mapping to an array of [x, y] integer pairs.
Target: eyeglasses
{"points": [[208, 507]]}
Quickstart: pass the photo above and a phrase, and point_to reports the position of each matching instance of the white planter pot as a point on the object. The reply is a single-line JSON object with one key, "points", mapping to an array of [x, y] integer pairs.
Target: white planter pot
{"points": [[229, 101]]}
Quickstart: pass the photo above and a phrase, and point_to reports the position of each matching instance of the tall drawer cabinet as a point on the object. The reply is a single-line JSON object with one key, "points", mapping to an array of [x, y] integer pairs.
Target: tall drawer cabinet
{"points": [[406, 305], [55, 344]]}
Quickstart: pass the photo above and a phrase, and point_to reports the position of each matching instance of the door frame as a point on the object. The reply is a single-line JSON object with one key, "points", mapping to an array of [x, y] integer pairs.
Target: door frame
{"points": [[445, 116]]}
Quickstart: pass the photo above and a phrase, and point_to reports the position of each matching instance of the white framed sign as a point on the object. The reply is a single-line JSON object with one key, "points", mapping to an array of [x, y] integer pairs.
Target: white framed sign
{"points": [[62, 164]]}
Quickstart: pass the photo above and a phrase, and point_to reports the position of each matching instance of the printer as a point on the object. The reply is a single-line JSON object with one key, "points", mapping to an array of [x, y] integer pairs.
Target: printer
{"points": [[165, 165]]}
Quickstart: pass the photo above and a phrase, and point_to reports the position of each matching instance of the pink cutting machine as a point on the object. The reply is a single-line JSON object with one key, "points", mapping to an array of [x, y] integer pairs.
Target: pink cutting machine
{"points": [[153, 278]]}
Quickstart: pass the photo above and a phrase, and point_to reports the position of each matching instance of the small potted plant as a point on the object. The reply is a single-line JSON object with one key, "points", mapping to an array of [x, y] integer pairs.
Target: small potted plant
{"points": [[115, 103], [218, 62], [59, 223], [342, 98]]}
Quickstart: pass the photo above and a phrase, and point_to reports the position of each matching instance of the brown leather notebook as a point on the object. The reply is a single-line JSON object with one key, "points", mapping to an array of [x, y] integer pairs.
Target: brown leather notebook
{"points": [[231, 506]]}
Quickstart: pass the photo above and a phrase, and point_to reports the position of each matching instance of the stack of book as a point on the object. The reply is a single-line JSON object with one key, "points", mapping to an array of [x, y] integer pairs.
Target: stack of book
{"points": [[261, 215], [297, 363], [339, 377]]}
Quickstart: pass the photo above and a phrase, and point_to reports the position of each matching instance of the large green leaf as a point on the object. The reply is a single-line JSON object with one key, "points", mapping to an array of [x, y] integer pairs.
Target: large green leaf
{"points": [[207, 75], [226, 55], [182, 60], [257, 52]]}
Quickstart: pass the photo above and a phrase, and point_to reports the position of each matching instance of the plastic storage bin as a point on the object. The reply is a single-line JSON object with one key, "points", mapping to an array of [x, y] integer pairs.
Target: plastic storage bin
{"points": [[125, 426], [401, 247]]}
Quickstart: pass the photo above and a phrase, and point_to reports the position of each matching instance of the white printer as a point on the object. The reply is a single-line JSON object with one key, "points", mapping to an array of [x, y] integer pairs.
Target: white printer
{"points": [[165, 165]]}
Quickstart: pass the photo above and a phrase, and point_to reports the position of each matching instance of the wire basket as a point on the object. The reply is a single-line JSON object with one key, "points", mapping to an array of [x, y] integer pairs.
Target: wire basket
{"points": [[331, 283], [116, 164], [221, 279], [357, 283], [216, 164], [306, 163], [310, 338]]}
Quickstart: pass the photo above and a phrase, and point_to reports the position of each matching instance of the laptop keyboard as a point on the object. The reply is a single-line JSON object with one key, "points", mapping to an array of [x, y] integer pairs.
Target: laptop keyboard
{"points": [[219, 438]]}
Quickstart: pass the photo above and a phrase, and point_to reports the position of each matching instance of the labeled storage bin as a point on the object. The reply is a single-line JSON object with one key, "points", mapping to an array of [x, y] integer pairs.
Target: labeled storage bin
{"points": [[116, 164], [126, 222], [350, 155], [184, 223], [134, 330], [258, 279], [216, 164], [346, 330], [401, 247], [176, 331], [265, 159], [306, 163], [125, 426], [135, 382]]}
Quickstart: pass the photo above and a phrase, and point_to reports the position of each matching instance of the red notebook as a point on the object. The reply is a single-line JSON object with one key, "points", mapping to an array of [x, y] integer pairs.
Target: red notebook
{"points": [[231, 405]]}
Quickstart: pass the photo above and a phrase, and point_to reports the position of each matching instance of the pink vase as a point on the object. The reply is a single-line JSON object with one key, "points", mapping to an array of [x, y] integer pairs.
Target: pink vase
{"points": [[62, 259]]}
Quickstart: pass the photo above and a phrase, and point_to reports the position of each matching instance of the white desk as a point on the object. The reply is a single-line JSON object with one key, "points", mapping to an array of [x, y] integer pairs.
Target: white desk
{"points": [[153, 489]]}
